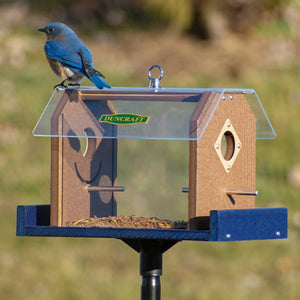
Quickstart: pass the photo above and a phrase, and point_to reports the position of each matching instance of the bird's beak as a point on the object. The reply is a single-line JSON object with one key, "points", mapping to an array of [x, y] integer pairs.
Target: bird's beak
{"points": [[42, 29]]}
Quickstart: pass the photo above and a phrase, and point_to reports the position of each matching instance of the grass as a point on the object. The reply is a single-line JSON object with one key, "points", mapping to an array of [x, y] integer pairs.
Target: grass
{"points": [[64, 268]]}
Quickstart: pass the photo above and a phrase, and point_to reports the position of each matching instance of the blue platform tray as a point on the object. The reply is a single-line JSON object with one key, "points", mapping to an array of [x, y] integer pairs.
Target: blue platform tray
{"points": [[224, 225]]}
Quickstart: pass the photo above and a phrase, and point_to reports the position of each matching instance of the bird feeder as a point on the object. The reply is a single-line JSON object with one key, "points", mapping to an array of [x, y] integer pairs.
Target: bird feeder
{"points": [[221, 127]]}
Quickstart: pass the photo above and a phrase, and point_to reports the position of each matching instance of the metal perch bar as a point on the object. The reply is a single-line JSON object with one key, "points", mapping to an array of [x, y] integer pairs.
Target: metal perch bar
{"points": [[230, 192], [185, 189], [241, 192], [105, 188]]}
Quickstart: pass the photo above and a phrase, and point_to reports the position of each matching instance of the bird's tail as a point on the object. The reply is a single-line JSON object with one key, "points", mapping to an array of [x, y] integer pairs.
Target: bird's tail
{"points": [[98, 82], [94, 77]]}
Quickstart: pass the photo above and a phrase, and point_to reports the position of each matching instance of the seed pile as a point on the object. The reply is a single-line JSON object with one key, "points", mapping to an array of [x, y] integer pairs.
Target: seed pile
{"points": [[128, 222]]}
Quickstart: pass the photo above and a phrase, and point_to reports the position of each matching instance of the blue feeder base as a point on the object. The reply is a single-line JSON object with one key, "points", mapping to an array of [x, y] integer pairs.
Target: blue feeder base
{"points": [[224, 225]]}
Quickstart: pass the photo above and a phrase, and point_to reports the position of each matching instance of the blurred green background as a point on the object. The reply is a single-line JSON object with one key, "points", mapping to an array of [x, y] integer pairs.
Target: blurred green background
{"points": [[230, 43]]}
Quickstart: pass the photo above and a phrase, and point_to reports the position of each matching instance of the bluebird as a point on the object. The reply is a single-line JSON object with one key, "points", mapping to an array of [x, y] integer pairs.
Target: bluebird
{"points": [[68, 56]]}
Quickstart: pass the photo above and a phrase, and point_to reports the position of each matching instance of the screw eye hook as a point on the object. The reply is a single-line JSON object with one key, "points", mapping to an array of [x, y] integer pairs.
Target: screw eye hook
{"points": [[155, 82]]}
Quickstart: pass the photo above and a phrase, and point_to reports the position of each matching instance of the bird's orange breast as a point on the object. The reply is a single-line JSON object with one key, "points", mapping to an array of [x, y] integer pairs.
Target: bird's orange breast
{"points": [[54, 38], [56, 67]]}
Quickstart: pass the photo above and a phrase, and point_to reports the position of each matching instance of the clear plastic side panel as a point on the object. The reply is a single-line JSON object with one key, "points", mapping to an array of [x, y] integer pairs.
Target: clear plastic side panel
{"points": [[153, 173]]}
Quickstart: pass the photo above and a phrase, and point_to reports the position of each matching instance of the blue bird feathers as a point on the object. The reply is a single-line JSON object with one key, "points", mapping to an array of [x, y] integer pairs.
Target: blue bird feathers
{"points": [[68, 56]]}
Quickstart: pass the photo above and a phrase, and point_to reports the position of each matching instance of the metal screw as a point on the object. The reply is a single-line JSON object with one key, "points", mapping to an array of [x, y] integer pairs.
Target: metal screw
{"points": [[239, 145], [217, 146], [228, 167], [231, 97], [228, 124], [228, 236], [278, 233], [224, 98]]}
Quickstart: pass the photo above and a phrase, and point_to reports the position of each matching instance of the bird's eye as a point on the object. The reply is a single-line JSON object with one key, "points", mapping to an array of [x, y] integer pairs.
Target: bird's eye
{"points": [[51, 29]]}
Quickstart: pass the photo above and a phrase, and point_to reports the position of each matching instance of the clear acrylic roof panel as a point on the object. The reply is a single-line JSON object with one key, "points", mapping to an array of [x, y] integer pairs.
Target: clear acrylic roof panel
{"points": [[135, 113]]}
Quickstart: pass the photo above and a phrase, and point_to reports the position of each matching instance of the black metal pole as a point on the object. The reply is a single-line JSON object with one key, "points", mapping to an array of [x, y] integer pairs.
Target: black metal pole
{"points": [[151, 252], [150, 270]]}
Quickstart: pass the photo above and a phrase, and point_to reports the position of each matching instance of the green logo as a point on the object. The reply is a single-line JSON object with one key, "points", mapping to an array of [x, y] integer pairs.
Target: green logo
{"points": [[124, 119]]}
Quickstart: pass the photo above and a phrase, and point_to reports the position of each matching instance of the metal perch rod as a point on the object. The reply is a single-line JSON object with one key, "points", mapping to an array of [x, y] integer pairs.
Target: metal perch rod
{"points": [[241, 192], [230, 192], [105, 188]]}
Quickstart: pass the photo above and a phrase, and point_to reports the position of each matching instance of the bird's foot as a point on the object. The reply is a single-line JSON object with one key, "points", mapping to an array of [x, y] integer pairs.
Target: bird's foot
{"points": [[73, 84], [60, 84]]}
